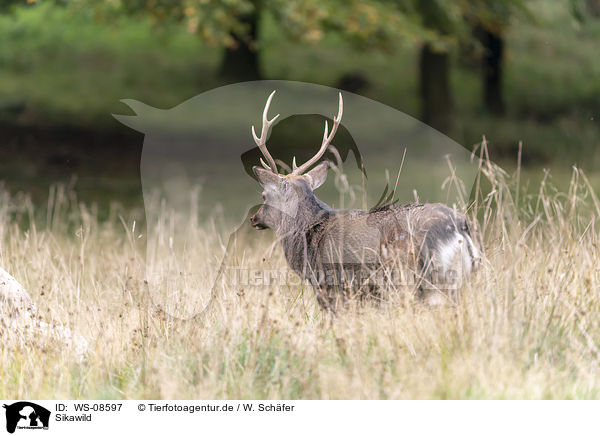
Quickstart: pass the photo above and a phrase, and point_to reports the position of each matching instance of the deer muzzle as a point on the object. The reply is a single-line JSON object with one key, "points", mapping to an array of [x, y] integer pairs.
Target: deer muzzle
{"points": [[256, 223]]}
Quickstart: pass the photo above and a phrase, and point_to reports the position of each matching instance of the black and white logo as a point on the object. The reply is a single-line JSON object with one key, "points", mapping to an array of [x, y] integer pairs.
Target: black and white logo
{"points": [[26, 415]]}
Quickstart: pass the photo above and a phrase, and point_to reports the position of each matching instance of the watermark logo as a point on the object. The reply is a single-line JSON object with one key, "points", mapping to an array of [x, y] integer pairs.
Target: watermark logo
{"points": [[200, 189], [24, 415]]}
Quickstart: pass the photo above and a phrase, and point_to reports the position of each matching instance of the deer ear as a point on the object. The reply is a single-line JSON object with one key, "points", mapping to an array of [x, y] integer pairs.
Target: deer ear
{"points": [[265, 177], [317, 176]]}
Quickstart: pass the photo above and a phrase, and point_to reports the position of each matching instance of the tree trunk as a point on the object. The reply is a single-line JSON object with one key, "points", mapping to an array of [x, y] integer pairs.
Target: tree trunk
{"points": [[241, 61], [493, 56], [436, 100], [593, 7]]}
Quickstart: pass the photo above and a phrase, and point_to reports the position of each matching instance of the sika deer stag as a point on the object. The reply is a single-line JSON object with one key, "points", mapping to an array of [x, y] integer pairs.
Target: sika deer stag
{"points": [[339, 251]]}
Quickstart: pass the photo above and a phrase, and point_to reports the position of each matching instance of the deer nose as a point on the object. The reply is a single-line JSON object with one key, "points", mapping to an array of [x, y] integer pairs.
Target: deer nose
{"points": [[255, 223]]}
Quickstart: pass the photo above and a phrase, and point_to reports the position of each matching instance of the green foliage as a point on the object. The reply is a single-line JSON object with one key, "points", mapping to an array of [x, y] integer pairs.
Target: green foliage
{"points": [[374, 24], [454, 20], [73, 65], [67, 66], [6, 5], [584, 10], [494, 15]]}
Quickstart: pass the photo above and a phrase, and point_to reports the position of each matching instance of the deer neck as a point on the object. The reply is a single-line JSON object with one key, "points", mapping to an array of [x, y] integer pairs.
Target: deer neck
{"points": [[299, 233], [308, 212]]}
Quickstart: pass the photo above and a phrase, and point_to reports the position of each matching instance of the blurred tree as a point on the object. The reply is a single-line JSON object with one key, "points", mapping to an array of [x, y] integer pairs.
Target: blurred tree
{"points": [[490, 20], [6, 5], [231, 24], [583, 9], [450, 22], [435, 25], [492, 62], [240, 60], [434, 65], [235, 24], [593, 7]]}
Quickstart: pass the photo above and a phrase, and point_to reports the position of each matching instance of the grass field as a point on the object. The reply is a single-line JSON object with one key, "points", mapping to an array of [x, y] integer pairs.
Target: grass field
{"points": [[527, 326]]}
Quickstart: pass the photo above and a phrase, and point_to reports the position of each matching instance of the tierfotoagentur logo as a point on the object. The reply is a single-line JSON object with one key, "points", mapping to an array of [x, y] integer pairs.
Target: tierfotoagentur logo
{"points": [[343, 275], [24, 415]]}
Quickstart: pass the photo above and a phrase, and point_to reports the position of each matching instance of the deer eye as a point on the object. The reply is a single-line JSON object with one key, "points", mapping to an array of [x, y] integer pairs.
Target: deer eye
{"points": [[264, 197]]}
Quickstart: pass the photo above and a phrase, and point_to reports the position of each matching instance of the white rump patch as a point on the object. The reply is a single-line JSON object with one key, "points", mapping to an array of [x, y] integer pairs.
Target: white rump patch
{"points": [[459, 252]]}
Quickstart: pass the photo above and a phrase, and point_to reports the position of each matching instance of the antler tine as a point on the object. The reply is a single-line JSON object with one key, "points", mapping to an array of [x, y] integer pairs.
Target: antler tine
{"points": [[327, 137], [262, 141], [265, 166]]}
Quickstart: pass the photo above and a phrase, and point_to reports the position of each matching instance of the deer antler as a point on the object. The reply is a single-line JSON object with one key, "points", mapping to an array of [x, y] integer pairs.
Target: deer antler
{"points": [[326, 141], [262, 141]]}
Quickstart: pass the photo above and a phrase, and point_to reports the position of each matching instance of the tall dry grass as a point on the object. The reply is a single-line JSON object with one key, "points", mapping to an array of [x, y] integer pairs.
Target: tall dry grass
{"points": [[527, 325]]}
